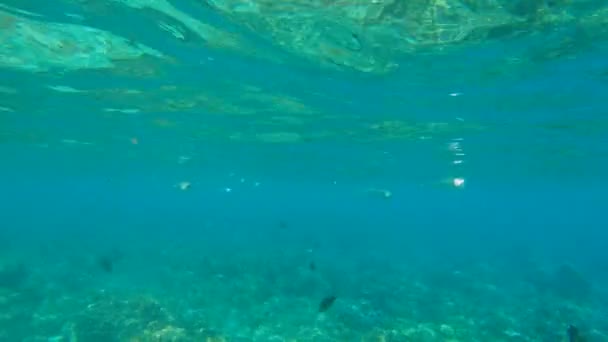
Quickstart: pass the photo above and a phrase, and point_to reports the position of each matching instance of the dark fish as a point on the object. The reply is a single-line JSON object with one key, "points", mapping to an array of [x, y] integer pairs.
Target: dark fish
{"points": [[312, 266], [326, 303], [283, 225], [574, 335], [107, 260], [106, 264]]}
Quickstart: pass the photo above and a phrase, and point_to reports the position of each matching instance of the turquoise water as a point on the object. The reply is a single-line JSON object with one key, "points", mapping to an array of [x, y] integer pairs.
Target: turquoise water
{"points": [[211, 171]]}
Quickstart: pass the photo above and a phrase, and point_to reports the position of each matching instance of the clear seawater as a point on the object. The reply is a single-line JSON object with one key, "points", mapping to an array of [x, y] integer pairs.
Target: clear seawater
{"points": [[214, 195]]}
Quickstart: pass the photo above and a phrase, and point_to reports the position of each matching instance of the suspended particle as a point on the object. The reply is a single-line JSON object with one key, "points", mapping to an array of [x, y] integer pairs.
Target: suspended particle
{"points": [[184, 186], [458, 182]]}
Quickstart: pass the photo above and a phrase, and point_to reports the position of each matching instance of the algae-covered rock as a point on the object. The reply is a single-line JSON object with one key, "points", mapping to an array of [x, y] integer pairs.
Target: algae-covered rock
{"points": [[139, 318], [372, 35], [33, 45]]}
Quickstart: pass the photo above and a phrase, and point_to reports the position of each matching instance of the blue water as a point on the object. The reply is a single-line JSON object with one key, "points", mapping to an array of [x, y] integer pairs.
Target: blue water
{"points": [[215, 195]]}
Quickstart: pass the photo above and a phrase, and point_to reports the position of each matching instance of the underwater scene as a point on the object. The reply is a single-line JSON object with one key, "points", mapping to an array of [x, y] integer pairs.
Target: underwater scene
{"points": [[304, 170]]}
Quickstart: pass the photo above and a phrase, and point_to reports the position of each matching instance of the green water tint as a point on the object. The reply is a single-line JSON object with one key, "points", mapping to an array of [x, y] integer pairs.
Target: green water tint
{"points": [[339, 90]]}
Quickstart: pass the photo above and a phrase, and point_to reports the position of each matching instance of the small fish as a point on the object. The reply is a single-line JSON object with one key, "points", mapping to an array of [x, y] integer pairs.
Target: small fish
{"points": [[312, 266], [327, 303], [574, 335], [106, 264], [107, 260], [283, 225], [383, 193]]}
